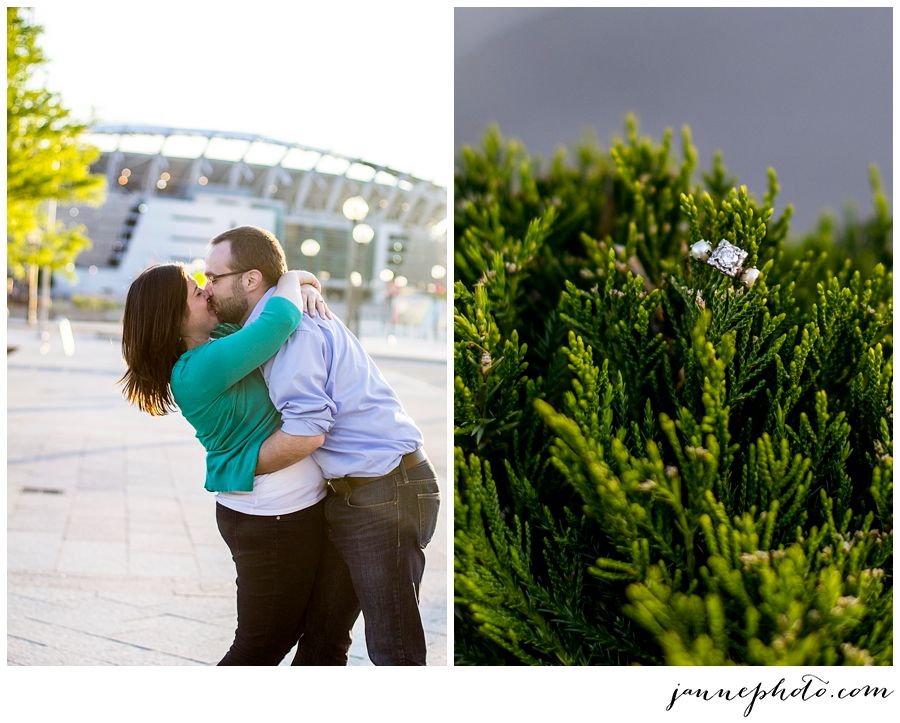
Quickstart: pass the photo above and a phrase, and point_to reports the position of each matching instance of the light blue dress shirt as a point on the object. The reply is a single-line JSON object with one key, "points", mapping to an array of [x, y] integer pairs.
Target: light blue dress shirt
{"points": [[323, 382]]}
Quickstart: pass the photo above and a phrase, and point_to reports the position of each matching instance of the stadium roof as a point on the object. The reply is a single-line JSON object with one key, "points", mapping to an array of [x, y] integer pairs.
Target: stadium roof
{"points": [[304, 177], [234, 146]]}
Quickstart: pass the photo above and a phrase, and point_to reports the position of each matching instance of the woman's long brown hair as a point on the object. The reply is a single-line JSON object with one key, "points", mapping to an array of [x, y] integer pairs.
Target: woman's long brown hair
{"points": [[151, 336]]}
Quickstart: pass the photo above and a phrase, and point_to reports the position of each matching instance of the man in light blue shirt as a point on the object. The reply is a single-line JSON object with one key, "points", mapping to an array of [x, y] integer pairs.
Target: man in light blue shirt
{"points": [[383, 502], [320, 367]]}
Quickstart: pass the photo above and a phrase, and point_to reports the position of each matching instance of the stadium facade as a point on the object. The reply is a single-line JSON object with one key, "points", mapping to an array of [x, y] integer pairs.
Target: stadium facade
{"points": [[170, 190]]}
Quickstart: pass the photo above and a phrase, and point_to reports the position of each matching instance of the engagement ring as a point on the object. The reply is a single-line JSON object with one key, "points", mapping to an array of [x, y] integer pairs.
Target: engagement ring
{"points": [[727, 258]]}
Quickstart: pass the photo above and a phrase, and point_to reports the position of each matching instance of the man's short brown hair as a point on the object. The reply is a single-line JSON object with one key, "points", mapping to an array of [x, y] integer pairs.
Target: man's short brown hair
{"points": [[255, 248]]}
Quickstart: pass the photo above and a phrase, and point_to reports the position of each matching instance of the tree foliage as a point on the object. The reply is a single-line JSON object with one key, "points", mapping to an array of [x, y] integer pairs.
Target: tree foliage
{"points": [[45, 158], [655, 462]]}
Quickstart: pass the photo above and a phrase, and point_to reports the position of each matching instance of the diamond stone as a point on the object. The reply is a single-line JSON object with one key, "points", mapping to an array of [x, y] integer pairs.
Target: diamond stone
{"points": [[727, 258]]}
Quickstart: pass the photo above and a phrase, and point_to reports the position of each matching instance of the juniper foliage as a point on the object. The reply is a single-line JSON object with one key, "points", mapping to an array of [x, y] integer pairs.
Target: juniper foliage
{"points": [[655, 463]]}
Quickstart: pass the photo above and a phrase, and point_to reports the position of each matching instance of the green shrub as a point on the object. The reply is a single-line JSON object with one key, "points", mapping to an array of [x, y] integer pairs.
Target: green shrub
{"points": [[94, 303], [655, 462]]}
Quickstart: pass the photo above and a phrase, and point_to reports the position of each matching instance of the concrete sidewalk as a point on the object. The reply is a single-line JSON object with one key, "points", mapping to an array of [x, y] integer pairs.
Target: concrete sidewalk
{"points": [[113, 556]]}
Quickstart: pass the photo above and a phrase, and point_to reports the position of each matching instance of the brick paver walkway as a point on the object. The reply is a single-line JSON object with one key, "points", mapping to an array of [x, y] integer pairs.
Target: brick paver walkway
{"points": [[113, 556]]}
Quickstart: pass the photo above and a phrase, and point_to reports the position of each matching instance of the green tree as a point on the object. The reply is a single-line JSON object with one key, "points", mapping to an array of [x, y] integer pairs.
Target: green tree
{"points": [[658, 462], [46, 161]]}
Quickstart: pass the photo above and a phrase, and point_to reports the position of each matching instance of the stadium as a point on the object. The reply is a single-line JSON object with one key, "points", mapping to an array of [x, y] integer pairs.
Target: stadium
{"points": [[170, 190]]}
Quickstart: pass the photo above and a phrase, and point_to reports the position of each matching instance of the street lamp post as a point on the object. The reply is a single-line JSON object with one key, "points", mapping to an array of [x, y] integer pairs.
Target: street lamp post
{"points": [[355, 210]]}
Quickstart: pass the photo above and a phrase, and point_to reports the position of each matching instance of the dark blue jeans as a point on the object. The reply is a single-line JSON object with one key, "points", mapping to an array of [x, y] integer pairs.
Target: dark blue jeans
{"points": [[380, 529], [277, 559]]}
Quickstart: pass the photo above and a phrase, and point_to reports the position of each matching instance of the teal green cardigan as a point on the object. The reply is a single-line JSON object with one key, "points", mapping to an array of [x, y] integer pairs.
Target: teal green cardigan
{"points": [[221, 392]]}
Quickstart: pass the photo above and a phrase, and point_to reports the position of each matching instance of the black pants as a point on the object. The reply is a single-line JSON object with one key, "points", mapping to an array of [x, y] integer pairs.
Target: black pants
{"points": [[277, 558]]}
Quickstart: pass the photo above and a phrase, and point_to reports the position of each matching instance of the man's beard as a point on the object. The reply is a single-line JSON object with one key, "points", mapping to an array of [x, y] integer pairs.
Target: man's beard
{"points": [[233, 310]]}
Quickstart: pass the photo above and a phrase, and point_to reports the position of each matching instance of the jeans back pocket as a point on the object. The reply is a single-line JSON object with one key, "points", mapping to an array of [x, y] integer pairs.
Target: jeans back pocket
{"points": [[429, 505]]}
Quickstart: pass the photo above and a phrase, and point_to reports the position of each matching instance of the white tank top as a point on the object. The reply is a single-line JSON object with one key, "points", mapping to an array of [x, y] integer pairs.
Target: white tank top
{"points": [[279, 493]]}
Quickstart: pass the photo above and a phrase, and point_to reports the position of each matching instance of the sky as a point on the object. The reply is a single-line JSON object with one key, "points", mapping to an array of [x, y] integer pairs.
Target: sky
{"points": [[372, 82], [805, 91]]}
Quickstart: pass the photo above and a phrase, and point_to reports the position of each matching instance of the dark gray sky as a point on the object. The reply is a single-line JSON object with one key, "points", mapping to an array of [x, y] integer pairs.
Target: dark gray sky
{"points": [[806, 91]]}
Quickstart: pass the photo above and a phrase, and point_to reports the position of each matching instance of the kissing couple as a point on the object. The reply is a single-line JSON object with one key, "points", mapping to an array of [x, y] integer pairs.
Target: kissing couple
{"points": [[324, 493]]}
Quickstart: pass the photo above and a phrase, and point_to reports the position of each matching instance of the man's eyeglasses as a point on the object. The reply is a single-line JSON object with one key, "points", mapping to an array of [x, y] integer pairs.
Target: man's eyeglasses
{"points": [[213, 278]]}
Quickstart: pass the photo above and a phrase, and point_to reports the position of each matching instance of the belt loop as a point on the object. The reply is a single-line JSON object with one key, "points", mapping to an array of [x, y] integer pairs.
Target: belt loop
{"points": [[403, 472]]}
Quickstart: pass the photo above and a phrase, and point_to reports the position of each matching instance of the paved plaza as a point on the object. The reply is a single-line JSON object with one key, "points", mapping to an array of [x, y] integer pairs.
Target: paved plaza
{"points": [[113, 555]]}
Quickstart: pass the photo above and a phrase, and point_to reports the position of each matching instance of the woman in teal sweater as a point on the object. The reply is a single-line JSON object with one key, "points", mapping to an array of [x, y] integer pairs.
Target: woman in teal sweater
{"points": [[220, 391]]}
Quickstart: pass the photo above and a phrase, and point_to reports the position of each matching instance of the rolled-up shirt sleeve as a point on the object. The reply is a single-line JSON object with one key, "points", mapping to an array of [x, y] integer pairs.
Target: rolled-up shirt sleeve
{"points": [[298, 382]]}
